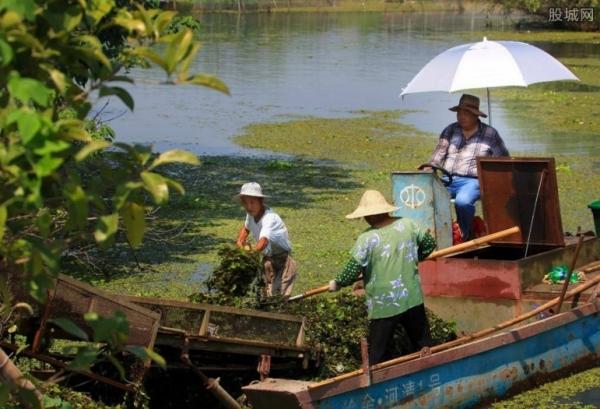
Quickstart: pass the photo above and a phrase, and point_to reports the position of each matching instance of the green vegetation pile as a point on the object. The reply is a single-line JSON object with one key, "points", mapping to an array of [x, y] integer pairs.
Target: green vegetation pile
{"points": [[335, 323]]}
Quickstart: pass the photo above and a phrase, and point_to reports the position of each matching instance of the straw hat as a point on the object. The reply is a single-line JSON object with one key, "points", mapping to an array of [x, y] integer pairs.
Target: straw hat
{"points": [[372, 202], [469, 103], [249, 189]]}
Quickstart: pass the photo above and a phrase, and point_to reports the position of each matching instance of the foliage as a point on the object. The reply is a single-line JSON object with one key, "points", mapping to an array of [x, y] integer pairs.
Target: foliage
{"points": [[180, 23], [543, 8], [236, 281], [53, 55], [236, 272], [335, 324], [580, 392]]}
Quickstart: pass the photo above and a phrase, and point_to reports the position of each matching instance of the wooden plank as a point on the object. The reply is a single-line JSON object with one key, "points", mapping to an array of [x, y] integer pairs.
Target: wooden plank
{"points": [[211, 307]]}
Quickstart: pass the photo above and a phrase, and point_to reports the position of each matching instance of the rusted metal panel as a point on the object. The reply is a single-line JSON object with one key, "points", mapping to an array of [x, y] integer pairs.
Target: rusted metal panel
{"points": [[72, 299], [508, 190], [459, 377], [226, 324]]}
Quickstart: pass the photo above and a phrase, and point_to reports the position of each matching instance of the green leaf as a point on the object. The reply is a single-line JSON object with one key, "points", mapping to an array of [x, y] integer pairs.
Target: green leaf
{"points": [[90, 148], [146, 353], [78, 206], [118, 366], [121, 78], [24, 8], [152, 56], [29, 124], [70, 327], [3, 217], [84, 359], [48, 164], [121, 93], [91, 46], [133, 218], [50, 402], [113, 330], [126, 20], [163, 20], [27, 89], [58, 78], [6, 53], [73, 129], [52, 147], [63, 19], [178, 48], [175, 185], [209, 81], [122, 193], [106, 228], [44, 223], [175, 155], [97, 9], [157, 186]]}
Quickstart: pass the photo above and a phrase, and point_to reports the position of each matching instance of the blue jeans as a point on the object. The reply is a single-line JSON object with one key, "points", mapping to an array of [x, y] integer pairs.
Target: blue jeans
{"points": [[465, 192]]}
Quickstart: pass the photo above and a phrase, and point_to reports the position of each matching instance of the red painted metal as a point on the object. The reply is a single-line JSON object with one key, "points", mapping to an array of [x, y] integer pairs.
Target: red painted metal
{"points": [[497, 271], [457, 277], [508, 190]]}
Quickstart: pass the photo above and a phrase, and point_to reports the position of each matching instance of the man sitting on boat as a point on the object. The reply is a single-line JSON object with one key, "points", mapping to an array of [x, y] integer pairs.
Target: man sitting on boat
{"points": [[271, 236], [459, 145], [387, 254]]}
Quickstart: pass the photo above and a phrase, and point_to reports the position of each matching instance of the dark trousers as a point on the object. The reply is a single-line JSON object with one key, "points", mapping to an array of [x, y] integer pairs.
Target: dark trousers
{"points": [[381, 333]]}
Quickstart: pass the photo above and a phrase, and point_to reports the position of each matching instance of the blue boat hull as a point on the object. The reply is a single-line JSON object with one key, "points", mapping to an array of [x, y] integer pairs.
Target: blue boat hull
{"points": [[460, 377]]}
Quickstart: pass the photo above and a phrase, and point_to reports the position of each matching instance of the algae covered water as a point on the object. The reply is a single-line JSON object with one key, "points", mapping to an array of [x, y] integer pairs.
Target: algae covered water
{"points": [[281, 66]]}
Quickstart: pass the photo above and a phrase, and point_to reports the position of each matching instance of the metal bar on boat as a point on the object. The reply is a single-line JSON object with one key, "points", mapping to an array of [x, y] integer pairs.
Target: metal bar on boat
{"points": [[569, 274]]}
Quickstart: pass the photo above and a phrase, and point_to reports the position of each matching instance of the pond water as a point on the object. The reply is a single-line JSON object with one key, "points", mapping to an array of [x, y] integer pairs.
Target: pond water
{"points": [[281, 66]]}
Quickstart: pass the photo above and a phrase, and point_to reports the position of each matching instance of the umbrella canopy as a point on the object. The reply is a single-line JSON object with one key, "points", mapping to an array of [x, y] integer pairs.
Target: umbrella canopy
{"points": [[488, 64]]}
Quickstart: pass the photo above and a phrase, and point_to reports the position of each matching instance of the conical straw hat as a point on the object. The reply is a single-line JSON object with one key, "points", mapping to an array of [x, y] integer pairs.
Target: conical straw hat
{"points": [[372, 202]]}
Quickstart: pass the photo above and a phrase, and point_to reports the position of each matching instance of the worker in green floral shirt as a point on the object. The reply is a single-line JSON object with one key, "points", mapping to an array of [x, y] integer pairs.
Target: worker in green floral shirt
{"points": [[387, 254]]}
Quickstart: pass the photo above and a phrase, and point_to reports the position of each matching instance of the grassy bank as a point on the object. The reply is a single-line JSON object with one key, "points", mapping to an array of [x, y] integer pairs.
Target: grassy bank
{"points": [[331, 6]]}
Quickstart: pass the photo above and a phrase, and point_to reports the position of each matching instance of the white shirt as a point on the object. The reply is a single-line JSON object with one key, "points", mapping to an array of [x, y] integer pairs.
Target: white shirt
{"points": [[272, 227]]}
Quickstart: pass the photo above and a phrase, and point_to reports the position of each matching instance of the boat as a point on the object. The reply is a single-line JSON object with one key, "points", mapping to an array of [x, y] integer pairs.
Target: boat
{"points": [[463, 373]]}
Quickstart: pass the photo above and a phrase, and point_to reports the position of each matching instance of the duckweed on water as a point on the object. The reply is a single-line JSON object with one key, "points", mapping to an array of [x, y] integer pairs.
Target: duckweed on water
{"points": [[558, 395]]}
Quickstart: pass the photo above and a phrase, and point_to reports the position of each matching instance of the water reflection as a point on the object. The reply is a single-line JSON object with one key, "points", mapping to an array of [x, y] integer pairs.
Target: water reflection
{"points": [[281, 66]]}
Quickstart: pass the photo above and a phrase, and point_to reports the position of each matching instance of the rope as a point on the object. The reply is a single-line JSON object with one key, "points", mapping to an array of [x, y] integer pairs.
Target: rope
{"points": [[537, 196]]}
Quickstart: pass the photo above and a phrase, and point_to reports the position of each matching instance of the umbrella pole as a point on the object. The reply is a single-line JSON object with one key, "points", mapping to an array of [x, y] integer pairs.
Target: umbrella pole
{"points": [[489, 107]]}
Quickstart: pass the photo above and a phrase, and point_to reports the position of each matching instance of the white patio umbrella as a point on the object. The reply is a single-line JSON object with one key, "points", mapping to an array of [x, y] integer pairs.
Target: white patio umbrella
{"points": [[488, 64]]}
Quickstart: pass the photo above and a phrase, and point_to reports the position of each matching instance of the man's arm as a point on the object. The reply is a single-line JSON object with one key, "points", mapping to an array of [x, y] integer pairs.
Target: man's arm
{"points": [[499, 149], [262, 243], [441, 150], [242, 237]]}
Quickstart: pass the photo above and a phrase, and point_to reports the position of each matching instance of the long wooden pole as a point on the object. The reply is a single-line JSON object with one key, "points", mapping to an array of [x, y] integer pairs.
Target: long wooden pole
{"points": [[467, 338], [569, 274], [440, 253]]}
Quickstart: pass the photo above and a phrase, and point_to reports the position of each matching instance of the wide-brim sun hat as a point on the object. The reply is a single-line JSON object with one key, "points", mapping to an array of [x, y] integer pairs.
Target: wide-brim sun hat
{"points": [[468, 103], [371, 203], [249, 189]]}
